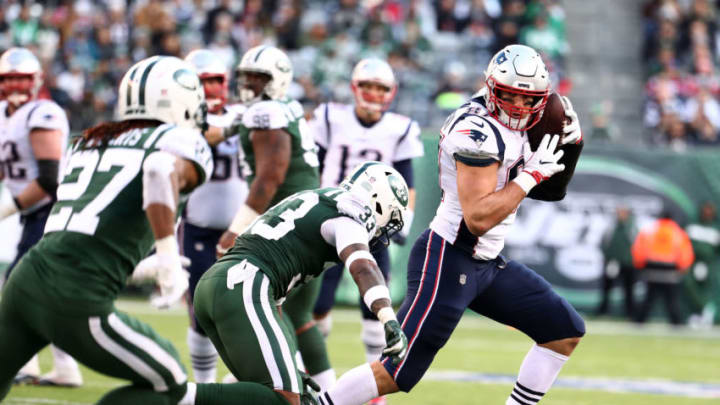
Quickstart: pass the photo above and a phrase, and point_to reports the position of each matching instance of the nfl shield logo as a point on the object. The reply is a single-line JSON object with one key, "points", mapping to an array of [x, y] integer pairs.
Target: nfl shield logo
{"points": [[463, 279]]}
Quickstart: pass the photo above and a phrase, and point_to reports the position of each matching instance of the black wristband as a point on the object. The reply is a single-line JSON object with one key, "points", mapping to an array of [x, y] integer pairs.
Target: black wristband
{"points": [[48, 175]]}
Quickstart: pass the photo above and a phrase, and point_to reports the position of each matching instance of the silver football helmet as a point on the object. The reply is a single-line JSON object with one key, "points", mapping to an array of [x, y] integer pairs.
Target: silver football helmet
{"points": [[517, 69], [163, 88], [19, 63], [373, 70], [270, 61], [209, 66], [384, 190]]}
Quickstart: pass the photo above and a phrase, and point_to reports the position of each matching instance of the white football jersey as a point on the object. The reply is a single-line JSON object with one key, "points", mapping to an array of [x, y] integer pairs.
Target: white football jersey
{"points": [[16, 154], [470, 135], [348, 142], [214, 204]]}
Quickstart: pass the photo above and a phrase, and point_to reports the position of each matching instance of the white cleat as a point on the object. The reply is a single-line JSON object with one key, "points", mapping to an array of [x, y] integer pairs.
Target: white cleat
{"points": [[65, 378]]}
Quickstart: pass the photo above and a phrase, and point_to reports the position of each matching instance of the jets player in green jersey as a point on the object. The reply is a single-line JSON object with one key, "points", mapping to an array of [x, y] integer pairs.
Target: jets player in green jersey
{"points": [[236, 301], [118, 197], [279, 159]]}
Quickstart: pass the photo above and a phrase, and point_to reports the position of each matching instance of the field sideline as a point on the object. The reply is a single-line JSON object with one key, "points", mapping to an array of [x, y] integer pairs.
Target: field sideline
{"points": [[617, 363]]}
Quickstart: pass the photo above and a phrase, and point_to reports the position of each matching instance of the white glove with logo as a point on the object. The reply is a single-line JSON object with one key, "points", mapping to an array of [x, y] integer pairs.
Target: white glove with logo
{"points": [[571, 132], [166, 267], [542, 164]]}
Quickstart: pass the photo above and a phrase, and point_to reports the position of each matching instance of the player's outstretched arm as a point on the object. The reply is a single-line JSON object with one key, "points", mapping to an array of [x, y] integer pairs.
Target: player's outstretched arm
{"points": [[164, 176], [370, 282]]}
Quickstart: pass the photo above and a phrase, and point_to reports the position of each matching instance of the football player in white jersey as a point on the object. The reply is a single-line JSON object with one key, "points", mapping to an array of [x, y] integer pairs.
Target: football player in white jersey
{"points": [[211, 207], [33, 135], [348, 134], [486, 169]]}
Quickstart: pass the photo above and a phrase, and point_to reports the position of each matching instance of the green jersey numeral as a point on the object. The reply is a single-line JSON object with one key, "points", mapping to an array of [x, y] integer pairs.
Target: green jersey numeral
{"points": [[89, 162], [286, 212]]}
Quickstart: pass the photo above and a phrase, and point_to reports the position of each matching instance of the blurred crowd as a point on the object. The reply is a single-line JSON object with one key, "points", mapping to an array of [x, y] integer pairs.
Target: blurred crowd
{"points": [[683, 85], [436, 47]]}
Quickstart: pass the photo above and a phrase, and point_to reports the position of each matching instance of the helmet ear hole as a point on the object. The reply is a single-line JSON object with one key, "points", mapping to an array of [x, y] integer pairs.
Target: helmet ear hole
{"points": [[187, 114], [378, 208]]}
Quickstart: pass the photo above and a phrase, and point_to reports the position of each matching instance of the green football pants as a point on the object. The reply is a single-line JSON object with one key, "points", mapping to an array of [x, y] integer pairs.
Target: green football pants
{"points": [[234, 305], [114, 344]]}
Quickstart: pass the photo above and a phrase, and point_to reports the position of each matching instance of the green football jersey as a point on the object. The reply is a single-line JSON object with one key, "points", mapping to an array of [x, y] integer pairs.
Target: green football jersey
{"points": [[97, 230], [302, 174], [286, 241]]}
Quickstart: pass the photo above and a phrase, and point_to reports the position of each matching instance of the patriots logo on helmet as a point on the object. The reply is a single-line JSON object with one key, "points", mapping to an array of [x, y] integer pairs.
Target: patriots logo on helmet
{"points": [[501, 58]]}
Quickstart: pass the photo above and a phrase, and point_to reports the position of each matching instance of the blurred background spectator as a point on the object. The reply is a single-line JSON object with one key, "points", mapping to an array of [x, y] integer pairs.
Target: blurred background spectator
{"points": [[619, 268], [435, 46], [680, 53], [701, 282]]}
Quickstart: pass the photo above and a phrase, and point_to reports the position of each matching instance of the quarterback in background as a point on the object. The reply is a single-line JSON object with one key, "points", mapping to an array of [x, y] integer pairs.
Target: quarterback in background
{"points": [[33, 135], [348, 134], [486, 169], [211, 207]]}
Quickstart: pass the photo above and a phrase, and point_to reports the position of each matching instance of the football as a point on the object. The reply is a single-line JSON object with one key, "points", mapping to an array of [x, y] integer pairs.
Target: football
{"points": [[551, 122]]}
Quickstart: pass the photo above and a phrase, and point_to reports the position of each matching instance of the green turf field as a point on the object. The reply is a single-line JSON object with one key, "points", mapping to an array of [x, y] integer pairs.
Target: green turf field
{"points": [[616, 363]]}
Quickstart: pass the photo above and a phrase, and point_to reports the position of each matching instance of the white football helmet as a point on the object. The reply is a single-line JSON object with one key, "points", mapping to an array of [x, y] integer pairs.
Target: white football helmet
{"points": [[384, 190], [19, 62], [163, 88], [209, 66], [517, 69], [270, 61], [373, 70]]}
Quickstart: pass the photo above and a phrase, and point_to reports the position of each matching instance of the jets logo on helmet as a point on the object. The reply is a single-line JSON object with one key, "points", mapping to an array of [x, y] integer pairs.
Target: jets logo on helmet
{"points": [[162, 88], [269, 61], [377, 71], [384, 190], [213, 75], [20, 76], [517, 70]]}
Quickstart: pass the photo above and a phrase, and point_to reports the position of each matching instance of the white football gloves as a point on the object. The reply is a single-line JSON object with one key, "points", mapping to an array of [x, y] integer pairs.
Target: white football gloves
{"points": [[571, 132], [166, 267], [541, 164]]}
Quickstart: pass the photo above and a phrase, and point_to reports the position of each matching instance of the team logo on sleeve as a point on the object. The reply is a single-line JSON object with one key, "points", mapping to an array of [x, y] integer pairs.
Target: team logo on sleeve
{"points": [[477, 136]]}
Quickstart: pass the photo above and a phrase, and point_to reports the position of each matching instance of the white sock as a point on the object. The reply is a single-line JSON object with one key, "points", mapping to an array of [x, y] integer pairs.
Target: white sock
{"points": [[373, 336], [63, 362], [325, 325], [537, 374], [203, 357], [32, 367], [355, 387], [325, 379], [189, 397]]}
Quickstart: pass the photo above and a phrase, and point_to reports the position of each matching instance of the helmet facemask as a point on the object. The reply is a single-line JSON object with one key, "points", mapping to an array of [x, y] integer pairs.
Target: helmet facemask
{"points": [[216, 92], [377, 72], [517, 70], [519, 118], [249, 89], [20, 76]]}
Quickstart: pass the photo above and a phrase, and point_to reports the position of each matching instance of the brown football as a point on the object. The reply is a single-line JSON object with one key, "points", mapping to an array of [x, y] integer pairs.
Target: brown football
{"points": [[551, 122]]}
